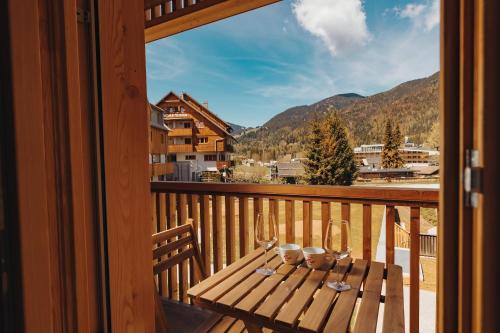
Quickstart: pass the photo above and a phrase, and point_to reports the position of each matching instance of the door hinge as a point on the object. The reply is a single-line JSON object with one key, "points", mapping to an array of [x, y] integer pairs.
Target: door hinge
{"points": [[473, 175], [82, 16]]}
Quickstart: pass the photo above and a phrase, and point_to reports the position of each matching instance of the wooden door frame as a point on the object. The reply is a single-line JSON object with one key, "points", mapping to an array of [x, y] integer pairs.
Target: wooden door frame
{"points": [[48, 131]]}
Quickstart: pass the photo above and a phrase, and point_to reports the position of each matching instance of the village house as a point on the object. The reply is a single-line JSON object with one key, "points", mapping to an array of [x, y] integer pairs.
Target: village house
{"points": [[199, 142], [159, 168]]}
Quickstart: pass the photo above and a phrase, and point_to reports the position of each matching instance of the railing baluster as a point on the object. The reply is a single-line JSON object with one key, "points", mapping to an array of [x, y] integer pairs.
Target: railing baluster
{"points": [[258, 204], [390, 214], [243, 226], [230, 230], [217, 231], [173, 286], [307, 223], [161, 204], [154, 229], [205, 232], [325, 218], [345, 212], [274, 211], [194, 213], [157, 11], [414, 268], [183, 267], [367, 232], [290, 221]]}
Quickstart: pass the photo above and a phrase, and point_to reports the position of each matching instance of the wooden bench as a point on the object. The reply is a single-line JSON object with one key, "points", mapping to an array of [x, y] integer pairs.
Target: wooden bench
{"points": [[172, 247]]}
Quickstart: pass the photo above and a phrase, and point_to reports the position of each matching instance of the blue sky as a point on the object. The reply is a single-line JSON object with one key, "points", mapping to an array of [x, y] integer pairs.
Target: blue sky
{"points": [[255, 65]]}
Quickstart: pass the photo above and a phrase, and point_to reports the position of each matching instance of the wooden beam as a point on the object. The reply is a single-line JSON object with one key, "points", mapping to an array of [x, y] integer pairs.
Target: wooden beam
{"points": [[198, 15]]}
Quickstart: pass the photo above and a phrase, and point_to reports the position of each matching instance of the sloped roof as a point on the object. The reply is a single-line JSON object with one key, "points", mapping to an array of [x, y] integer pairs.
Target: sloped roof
{"points": [[203, 111], [157, 108]]}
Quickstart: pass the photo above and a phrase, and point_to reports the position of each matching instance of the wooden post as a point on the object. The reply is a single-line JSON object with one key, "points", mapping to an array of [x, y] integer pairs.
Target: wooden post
{"points": [[290, 221], [414, 268], [217, 232], [244, 231], [183, 267], [389, 234], [367, 232], [205, 232], [230, 230], [346, 216], [257, 209], [307, 223], [325, 218], [173, 287]]}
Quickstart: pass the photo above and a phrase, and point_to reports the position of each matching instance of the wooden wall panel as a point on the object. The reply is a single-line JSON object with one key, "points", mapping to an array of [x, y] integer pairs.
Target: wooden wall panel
{"points": [[125, 148]]}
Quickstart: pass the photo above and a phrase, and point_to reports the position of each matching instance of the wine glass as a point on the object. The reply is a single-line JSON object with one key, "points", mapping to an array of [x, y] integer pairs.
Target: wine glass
{"points": [[266, 241], [338, 251]]}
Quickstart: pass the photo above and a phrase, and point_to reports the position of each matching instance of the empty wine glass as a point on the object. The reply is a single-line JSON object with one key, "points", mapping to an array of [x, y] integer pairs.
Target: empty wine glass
{"points": [[340, 250], [266, 241]]}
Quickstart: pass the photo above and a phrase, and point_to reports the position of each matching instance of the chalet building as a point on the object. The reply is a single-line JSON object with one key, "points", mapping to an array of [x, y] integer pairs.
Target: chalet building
{"points": [[199, 142], [159, 168], [412, 155]]}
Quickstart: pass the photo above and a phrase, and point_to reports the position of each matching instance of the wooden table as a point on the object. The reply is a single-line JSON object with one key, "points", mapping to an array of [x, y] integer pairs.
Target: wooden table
{"points": [[296, 299]]}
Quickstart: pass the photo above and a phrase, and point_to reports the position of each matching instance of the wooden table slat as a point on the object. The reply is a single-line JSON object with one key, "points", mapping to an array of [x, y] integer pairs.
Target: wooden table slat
{"points": [[271, 305], [215, 279], [252, 300], [368, 311], [225, 286], [295, 306], [238, 327], [319, 309], [223, 325], [341, 315], [394, 320], [246, 286]]}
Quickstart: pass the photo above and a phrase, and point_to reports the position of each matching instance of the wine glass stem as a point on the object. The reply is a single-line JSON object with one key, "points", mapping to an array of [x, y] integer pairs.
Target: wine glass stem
{"points": [[265, 258], [338, 270]]}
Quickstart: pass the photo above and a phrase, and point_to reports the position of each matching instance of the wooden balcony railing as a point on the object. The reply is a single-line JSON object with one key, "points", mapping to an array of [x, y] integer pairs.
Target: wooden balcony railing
{"points": [[181, 148], [224, 215], [180, 132]]}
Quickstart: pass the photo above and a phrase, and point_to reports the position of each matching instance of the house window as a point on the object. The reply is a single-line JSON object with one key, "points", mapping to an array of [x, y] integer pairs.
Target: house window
{"points": [[187, 141], [222, 157], [190, 157], [187, 125], [210, 157], [203, 140], [156, 158], [171, 158]]}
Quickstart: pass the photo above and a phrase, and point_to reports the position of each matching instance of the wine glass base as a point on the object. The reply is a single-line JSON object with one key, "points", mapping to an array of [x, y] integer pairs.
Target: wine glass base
{"points": [[265, 271], [339, 286]]}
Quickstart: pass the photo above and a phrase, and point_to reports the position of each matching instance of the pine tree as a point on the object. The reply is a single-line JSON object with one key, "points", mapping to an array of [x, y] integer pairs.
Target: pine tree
{"points": [[338, 166], [391, 158], [387, 151], [314, 153], [398, 141]]}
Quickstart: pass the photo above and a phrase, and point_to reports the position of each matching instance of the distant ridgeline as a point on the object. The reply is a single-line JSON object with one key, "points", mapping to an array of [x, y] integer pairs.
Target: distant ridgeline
{"points": [[413, 105]]}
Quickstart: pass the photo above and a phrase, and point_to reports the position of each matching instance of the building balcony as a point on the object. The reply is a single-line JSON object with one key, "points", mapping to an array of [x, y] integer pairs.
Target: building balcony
{"points": [[180, 148], [158, 169], [180, 132], [224, 214]]}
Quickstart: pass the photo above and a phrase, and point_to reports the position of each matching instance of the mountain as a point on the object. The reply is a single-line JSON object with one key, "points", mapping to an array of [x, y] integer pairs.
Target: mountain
{"points": [[413, 105], [237, 129]]}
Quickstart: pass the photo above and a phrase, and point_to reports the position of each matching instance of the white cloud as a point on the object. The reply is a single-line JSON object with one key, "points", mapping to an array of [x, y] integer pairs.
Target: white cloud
{"points": [[340, 24], [423, 15]]}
